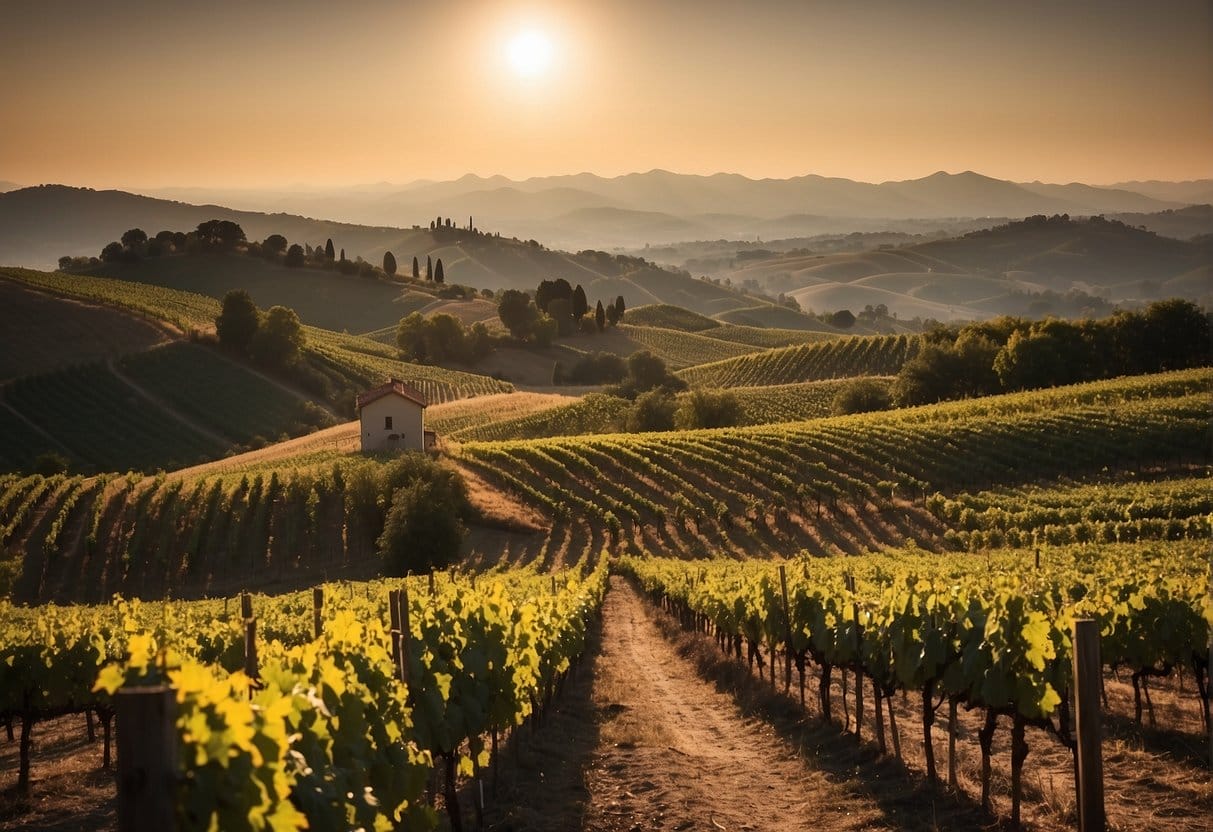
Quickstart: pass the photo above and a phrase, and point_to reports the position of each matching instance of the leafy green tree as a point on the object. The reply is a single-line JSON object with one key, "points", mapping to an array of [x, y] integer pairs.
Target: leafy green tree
{"points": [[135, 238], [329, 252], [561, 311], [842, 319], [550, 290], [444, 339], [600, 317], [220, 235], [274, 245], [544, 329], [479, 341], [238, 322], [653, 411], [580, 305], [294, 256], [516, 311], [410, 337], [1177, 335], [389, 264], [707, 409], [424, 527], [113, 252], [1030, 359], [280, 339], [864, 395]]}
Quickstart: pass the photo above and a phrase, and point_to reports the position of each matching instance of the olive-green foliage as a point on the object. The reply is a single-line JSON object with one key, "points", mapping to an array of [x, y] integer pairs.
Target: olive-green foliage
{"points": [[279, 340], [863, 395], [238, 322], [707, 409], [1007, 354], [653, 410], [423, 527]]}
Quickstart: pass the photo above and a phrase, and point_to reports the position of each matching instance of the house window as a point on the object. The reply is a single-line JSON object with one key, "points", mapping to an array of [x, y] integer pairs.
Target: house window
{"points": [[387, 422]]}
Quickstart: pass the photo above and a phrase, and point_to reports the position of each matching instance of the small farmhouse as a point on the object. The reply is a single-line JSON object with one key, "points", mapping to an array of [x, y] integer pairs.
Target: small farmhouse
{"points": [[393, 418]]}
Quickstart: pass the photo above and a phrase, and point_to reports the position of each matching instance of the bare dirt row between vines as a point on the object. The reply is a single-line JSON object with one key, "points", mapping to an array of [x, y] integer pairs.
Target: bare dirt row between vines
{"points": [[660, 731]]}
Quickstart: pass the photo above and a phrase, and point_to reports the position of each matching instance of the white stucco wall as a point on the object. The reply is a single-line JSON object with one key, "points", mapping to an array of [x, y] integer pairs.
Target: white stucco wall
{"points": [[408, 424]]}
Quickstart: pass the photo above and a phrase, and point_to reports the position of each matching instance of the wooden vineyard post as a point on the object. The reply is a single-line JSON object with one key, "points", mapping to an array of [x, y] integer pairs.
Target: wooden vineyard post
{"points": [[402, 614], [250, 636], [787, 620], [1088, 672], [317, 611], [858, 662], [393, 608], [147, 758]]}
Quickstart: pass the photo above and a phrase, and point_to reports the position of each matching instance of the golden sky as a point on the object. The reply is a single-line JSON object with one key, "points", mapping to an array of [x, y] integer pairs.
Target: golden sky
{"points": [[270, 92]]}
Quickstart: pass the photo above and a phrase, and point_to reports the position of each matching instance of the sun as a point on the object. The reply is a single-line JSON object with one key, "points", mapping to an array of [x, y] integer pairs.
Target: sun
{"points": [[530, 53]]}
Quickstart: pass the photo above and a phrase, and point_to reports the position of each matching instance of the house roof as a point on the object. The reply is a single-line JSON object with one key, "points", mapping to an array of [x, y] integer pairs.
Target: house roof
{"points": [[393, 387]]}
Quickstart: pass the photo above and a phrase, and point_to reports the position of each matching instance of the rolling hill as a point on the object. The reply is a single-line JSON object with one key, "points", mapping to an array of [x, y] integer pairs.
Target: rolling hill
{"points": [[659, 206], [39, 225], [1001, 270]]}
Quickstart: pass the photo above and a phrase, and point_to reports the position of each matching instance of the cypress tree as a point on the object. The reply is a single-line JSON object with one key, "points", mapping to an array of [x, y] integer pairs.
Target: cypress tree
{"points": [[439, 277], [580, 304], [328, 249], [416, 270], [389, 264], [429, 268], [600, 317]]}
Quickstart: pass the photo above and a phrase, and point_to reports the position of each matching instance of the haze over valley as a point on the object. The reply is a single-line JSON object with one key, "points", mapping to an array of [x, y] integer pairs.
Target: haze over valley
{"points": [[587, 417]]}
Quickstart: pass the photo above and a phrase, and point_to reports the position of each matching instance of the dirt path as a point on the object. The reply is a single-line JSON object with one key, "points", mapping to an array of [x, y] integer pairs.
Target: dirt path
{"points": [[642, 742], [677, 754]]}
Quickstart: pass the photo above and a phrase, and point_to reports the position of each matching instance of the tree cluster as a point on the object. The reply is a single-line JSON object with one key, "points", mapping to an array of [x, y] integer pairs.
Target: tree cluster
{"points": [[660, 409], [441, 338], [559, 308], [274, 338], [1007, 354], [646, 372]]}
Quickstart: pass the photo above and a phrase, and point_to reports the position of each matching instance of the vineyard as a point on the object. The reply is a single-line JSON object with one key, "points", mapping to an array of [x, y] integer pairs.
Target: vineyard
{"points": [[115, 418], [843, 484], [1177, 509], [105, 423], [791, 402], [992, 634], [321, 709], [348, 362], [592, 413], [763, 488], [222, 395], [767, 338], [668, 316], [683, 349], [871, 355], [451, 417]]}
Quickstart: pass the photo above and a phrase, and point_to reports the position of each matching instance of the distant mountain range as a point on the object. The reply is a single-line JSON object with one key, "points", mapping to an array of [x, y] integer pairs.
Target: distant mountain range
{"points": [[38, 225], [584, 210]]}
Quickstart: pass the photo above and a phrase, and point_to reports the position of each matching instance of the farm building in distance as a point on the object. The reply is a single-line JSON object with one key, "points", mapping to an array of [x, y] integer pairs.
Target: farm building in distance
{"points": [[392, 417]]}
